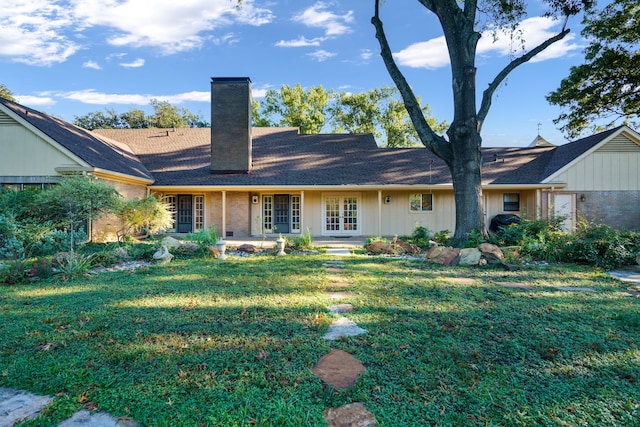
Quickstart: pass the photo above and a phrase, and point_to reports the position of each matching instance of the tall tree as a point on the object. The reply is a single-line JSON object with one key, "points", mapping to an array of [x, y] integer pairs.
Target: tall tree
{"points": [[164, 115], [461, 148], [607, 85], [296, 107], [6, 93], [377, 111]]}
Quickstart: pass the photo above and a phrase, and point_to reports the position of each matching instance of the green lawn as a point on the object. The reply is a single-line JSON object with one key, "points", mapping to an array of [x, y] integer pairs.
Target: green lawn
{"points": [[231, 343]]}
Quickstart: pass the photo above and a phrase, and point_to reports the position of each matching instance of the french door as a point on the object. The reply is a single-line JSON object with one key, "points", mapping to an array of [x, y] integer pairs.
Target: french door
{"points": [[341, 215]]}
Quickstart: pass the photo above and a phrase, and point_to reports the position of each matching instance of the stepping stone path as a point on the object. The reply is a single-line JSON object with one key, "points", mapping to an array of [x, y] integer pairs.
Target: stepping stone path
{"points": [[338, 368]]}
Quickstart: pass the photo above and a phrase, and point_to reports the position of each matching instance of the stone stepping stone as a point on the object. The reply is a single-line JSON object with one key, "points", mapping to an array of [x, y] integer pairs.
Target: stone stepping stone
{"points": [[18, 405], [341, 295], [86, 418], [336, 278], [334, 263], [334, 270], [352, 415], [338, 369], [516, 285], [340, 285], [343, 327], [575, 289], [338, 252], [340, 308]]}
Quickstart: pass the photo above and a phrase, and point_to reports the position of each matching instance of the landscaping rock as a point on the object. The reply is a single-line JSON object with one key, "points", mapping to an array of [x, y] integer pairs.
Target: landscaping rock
{"points": [[121, 252], [444, 255], [397, 247], [352, 415], [340, 308], [171, 242], [470, 256], [338, 369], [491, 253], [162, 255], [379, 248], [246, 247]]}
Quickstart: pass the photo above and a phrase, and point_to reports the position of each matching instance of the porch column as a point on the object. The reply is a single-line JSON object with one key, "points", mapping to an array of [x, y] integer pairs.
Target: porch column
{"points": [[302, 212], [223, 231], [538, 204], [379, 213]]}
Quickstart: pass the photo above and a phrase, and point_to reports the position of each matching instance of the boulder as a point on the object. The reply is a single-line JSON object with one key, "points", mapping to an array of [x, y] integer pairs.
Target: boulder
{"points": [[246, 247], [162, 255], [444, 256], [470, 256], [402, 247], [491, 253], [171, 242], [379, 247]]}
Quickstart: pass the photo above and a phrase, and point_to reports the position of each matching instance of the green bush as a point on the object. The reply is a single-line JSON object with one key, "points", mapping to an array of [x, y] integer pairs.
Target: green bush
{"points": [[60, 241], [74, 265], [205, 237], [300, 243], [442, 237], [421, 237], [603, 246], [13, 272]]}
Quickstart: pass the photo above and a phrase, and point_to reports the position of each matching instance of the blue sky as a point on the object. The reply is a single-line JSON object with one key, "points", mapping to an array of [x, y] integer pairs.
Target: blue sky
{"points": [[70, 57]]}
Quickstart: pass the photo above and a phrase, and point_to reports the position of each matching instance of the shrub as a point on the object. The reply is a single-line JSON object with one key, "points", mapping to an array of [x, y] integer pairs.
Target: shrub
{"points": [[205, 237], [374, 239], [300, 243], [60, 240], [603, 246], [13, 272], [442, 237], [74, 265], [420, 237]]}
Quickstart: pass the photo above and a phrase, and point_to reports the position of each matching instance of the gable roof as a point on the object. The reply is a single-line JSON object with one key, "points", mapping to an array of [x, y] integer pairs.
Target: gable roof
{"points": [[95, 151]]}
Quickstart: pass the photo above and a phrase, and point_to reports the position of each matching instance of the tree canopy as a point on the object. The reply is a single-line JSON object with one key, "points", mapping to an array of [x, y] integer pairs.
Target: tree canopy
{"points": [[377, 111], [462, 22], [607, 85], [164, 115], [6, 93]]}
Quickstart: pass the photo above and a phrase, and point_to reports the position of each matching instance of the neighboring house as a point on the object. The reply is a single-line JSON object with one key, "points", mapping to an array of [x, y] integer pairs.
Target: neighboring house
{"points": [[253, 181]]}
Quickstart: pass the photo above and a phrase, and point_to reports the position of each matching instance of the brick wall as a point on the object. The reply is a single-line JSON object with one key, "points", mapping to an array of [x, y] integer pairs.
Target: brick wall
{"points": [[619, 209]]}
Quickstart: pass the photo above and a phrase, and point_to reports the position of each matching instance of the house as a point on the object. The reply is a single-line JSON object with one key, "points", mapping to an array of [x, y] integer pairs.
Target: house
{"points": [[252, 181]]}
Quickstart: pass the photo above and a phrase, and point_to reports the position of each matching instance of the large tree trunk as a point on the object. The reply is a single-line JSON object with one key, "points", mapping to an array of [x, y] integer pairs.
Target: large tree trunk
{"points": [[467, 187]]}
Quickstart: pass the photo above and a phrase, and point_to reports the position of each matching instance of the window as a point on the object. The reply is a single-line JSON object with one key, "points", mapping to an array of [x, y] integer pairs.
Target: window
{"points": [[267, 214], [198, 213], [421, 202], [511, 202], [295, 214]]}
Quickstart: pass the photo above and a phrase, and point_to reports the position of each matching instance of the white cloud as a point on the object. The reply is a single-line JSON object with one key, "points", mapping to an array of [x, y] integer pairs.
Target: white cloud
{"points": [[319, 17], [34, 101], [92, 64], [366, 54], [168, 25], [91, 96], [433, 53], [44, 32], [139, 62], [32, 32], [321, 55], [301, 42]]}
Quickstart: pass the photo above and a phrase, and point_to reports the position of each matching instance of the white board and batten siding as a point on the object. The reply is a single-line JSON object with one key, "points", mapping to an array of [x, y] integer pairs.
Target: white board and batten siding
{"points": [[615, 166]]}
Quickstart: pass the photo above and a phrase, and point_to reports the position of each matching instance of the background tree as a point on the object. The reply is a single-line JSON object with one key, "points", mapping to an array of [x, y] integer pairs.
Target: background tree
{"points": [[607, 85], [6, 93], [164, 115], [296, 107], [380, 113], [461, 147]]}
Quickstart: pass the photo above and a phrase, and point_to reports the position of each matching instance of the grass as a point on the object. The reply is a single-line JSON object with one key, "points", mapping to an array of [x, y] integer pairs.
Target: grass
{"points": [[232, 343]]}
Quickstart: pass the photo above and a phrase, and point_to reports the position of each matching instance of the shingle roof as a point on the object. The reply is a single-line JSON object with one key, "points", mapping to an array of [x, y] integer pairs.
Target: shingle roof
{"points": [[97, 152], [282, 157]]}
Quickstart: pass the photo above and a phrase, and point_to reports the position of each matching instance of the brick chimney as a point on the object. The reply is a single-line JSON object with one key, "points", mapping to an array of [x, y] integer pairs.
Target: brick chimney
{"points": [[230, 125]]}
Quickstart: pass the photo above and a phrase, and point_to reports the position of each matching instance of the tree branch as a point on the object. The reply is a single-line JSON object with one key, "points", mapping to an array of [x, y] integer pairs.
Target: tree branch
{"points": [[493, 86], [428, 137]]}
